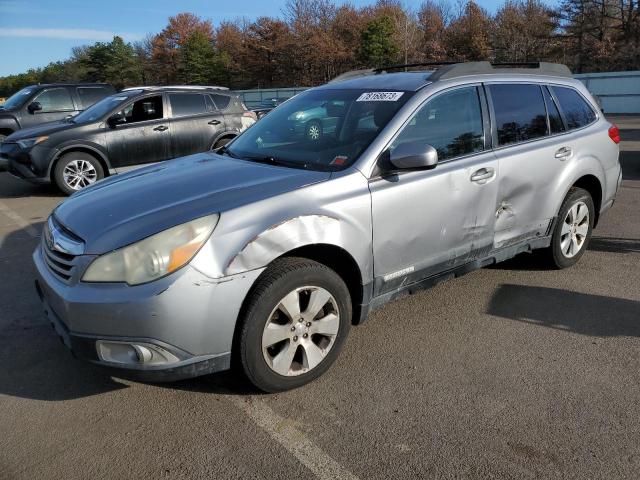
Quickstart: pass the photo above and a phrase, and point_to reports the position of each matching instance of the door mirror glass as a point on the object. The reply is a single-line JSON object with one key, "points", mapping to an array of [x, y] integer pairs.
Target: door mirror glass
{"points": [[116, 119], [413, 155], [34, 107]]}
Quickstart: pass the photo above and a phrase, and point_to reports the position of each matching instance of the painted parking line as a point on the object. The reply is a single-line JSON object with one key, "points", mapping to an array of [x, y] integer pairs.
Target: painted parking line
{"points": [[18, 220], [293, 440]]}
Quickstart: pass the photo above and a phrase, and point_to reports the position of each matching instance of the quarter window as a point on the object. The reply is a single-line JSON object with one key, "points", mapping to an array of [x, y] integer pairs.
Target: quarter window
{"points": [[555, 121], [221, 101], [184, 104], [451, 123], [55, 100], [576, 110], [519, 111]]}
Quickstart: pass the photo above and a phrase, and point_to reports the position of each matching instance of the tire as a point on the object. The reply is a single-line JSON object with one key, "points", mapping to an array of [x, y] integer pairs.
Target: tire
{"points": [[313, 130], [286, 280], [221, 143], [2, 137], [572, 231], [90, 168]]}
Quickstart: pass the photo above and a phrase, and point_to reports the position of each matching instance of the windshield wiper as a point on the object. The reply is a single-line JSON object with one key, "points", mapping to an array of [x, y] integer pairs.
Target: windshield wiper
{"points": [[270, 160]]}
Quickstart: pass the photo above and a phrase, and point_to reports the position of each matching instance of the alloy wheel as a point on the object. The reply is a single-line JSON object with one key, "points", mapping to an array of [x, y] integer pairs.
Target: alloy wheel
{"points": [[575, 228], [300, 331], [79, 174], [313, 131]]}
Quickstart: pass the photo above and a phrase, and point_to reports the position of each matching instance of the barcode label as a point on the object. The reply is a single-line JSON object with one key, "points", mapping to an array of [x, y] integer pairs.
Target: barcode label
{"points": [[379, 97]]}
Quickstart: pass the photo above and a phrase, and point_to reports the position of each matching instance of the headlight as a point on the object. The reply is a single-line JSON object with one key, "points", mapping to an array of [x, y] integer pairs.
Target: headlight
{"points": [[155, 256], [30, 142]]}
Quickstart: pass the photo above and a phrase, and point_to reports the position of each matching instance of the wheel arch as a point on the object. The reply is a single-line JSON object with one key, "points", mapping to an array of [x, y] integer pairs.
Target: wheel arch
{"points": [[591, 184], [225, 134], [100, 156]]}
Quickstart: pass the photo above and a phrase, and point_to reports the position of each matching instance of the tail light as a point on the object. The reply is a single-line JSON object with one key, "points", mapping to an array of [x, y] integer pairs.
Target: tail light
{"points": [[614, 133], [250, 114]]}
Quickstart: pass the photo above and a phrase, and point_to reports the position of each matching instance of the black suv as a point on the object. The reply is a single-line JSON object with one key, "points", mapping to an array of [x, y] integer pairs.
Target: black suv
{"points": [[134, 127], [38, 104]]}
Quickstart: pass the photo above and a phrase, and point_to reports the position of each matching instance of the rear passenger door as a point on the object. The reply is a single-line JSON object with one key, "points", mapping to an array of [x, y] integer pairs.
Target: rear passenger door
{"points": [[195, 123], [532, 146], [91, 94]]}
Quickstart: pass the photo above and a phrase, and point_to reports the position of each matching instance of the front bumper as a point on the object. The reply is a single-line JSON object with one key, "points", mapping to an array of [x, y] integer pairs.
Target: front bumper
{"points": [[28, 164], [187, 314]]}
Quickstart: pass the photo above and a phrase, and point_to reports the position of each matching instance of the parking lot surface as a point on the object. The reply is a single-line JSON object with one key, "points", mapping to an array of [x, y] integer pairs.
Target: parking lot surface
{"points": [[513, 371]]}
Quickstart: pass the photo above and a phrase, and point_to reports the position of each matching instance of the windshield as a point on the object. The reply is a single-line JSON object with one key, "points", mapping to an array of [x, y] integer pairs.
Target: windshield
{"points": [[17, 99], [321, 130], [98, 110]]}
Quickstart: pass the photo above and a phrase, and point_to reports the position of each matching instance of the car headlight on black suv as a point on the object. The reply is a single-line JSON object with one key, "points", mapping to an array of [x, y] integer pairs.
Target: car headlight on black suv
{"points": [[155, 256], [31, 142]]}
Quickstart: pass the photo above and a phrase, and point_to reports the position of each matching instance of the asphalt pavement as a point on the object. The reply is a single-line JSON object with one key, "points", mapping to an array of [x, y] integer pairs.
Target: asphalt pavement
{"points": [[514, 371]]}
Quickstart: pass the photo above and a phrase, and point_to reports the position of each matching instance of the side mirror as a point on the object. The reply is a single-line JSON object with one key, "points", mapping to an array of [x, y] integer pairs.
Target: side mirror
{"points": [[116, 119], [34, 107], [414, 155]]}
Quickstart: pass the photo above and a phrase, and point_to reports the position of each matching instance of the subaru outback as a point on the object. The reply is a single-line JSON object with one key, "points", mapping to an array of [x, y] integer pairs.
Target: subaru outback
{"points": [[263, 254]]}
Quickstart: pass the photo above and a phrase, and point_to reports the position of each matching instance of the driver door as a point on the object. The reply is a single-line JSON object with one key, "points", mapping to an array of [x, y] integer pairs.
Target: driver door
{"points": [[429, 221], [56, 104]]}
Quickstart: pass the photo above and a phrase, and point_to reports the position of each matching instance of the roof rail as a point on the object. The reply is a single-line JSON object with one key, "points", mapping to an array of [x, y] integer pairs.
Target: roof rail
{"points": [[483, 68], [449, 69], [181, 87]]}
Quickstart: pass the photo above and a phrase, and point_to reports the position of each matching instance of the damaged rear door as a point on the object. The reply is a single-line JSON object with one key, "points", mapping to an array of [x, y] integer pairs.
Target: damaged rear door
{"points": [[533, 151], [429, 221]]}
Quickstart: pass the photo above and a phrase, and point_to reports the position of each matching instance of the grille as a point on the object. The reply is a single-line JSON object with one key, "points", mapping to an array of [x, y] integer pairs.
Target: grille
{"points": [[60, 264]]}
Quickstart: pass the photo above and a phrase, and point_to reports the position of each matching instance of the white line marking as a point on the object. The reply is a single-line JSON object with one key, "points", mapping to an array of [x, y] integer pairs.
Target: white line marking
{"points": [[282, 431], [18, 220]]}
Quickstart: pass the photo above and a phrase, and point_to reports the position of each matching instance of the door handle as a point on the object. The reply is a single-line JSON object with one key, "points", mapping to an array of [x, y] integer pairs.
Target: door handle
{"points": [[563, 152], [214, 122], [161, 128], [482, 175]]}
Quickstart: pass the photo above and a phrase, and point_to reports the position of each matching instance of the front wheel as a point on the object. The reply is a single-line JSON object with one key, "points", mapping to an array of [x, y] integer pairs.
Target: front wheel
{"points": [[573, 229], [75, 171], [294, 325]]}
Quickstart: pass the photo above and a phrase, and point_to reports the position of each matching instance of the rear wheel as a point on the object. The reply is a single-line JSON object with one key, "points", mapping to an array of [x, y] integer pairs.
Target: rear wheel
{"points": [[75, 171], [573, 229], [313, 130], [221, 143], [294, 326]]}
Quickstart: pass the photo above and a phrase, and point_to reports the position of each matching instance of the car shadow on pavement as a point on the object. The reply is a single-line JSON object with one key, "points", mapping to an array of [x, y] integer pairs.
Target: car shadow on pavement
{"points": [[586, 314], [630, 163], [614, 245], [35, 363]]}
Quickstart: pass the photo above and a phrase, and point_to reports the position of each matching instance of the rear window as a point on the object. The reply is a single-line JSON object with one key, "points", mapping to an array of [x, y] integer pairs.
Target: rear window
{"points": [[90, 95], [576, 110], [520, 112], [183, 104], [221, 101]]}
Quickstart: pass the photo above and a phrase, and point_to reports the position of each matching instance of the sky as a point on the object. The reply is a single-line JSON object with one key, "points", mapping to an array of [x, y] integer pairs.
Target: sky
{"points": [[36, 32]]}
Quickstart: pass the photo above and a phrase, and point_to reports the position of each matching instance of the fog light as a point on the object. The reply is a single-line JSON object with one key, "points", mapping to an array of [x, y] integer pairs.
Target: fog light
{"points": [[127, 353]]}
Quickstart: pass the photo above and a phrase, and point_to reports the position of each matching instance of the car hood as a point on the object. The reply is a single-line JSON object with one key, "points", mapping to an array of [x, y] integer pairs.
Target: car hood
{"points": [[48, 128], [128, 207]]}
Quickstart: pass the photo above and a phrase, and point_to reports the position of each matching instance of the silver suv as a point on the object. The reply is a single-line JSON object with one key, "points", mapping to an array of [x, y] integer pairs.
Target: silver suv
{"points": [[262, 255]]}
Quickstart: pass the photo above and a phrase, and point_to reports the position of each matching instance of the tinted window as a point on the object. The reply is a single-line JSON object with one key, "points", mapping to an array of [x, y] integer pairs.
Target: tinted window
{"points": [[90, 95], [576, 111], [183, 104], [555, 121], [55, 100], [104, 106], [221, 101], [520, 113], [149, 108], [451, 123]]}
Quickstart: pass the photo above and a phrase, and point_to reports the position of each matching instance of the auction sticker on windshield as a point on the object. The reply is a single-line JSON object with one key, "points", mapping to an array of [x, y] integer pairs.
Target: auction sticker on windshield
{"points": [[379, 97]]}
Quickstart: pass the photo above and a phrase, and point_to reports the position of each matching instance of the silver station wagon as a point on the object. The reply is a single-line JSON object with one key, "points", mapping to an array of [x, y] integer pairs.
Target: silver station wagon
{"points": [[262, 254]]}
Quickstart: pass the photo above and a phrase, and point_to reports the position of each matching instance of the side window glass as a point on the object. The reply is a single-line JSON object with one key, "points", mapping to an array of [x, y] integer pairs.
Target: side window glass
{"points": [[149, 108], [185, 104], [520, 113], [90, 95], [576, 110], [555, 121], [55, 100], [221, 101], [451, 123]]}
